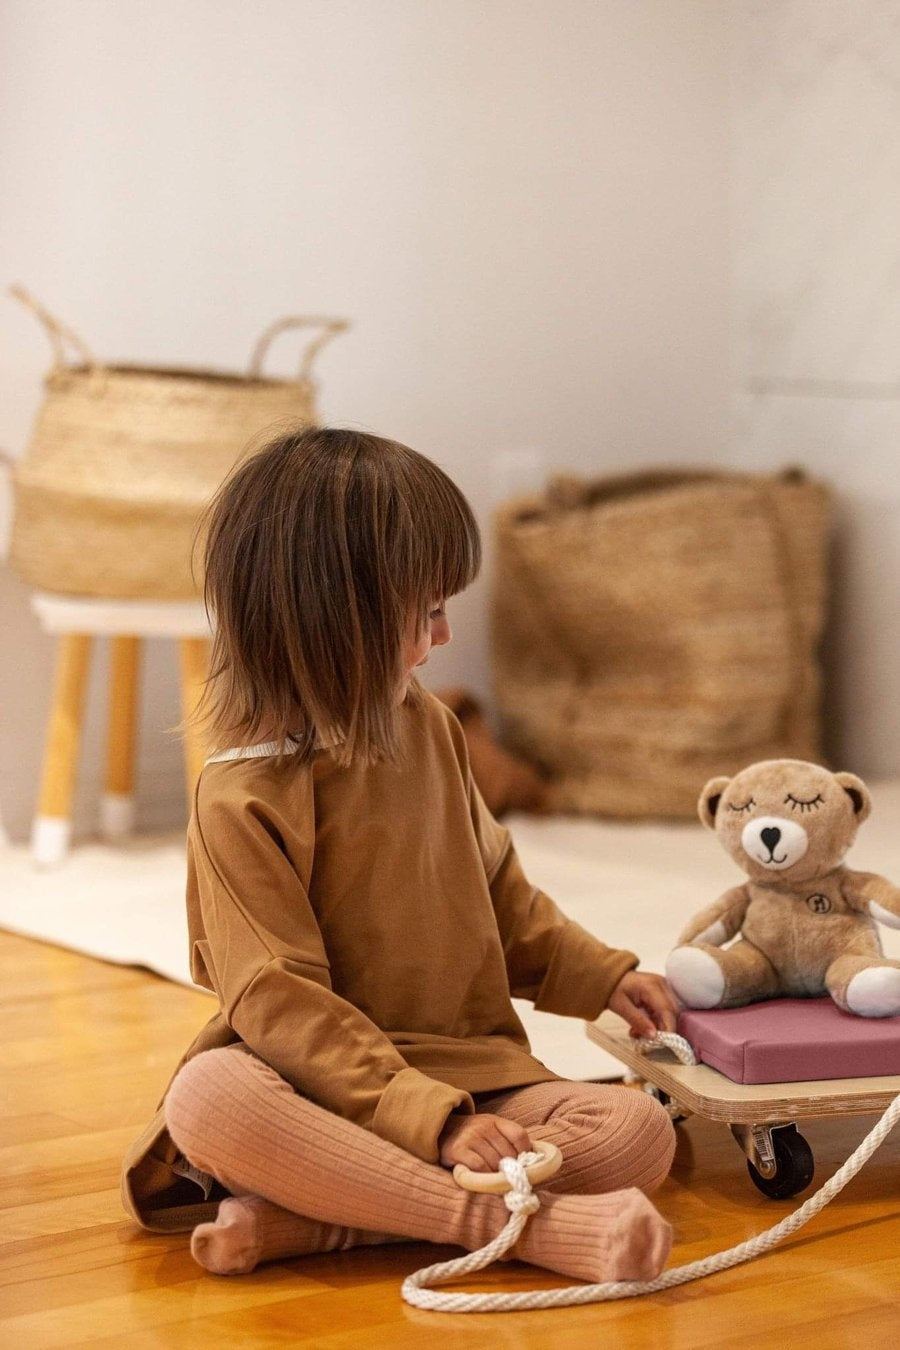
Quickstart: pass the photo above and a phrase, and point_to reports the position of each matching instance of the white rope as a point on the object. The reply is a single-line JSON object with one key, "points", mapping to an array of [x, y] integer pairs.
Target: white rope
{"points": [[522, 1203], [681, 1049], [670, 1040]]}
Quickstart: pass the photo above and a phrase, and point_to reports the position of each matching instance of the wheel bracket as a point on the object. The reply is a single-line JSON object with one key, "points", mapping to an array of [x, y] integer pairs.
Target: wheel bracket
{"points": [[755, 1141]]}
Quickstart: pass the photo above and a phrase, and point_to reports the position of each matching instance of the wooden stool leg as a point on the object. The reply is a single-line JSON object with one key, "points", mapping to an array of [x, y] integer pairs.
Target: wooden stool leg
{"points": [[117, 802], [52, 829], [194, 657]]}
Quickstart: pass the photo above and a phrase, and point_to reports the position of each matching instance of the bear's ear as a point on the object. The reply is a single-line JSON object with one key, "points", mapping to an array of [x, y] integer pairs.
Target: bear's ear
{"points": [[708, 804], [858, 793]]}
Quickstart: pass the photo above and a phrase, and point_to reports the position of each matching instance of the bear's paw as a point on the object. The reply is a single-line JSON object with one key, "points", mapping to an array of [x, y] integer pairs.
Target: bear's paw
{"points": [[696, 977], [875, 992]]}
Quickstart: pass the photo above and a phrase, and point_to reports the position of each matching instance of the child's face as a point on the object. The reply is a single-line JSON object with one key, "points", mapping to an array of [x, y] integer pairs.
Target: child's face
{"points": [[418, 642]]}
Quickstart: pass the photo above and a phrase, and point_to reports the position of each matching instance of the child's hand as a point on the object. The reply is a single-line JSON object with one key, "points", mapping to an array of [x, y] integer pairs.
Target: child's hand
{"points": [[646, 1002], [480, 1141]]}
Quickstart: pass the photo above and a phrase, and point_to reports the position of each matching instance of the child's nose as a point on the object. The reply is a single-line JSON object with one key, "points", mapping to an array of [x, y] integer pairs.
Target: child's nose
{"points": [[440, 632]]}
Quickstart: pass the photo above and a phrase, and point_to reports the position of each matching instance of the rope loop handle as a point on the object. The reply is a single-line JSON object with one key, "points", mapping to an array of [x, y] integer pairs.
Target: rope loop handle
{"points": [[668, 1040], [330, 329], [58, 332]]}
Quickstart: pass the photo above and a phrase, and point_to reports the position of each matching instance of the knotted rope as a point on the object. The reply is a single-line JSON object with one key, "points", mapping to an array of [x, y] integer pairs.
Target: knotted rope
{"points": [[522, 1203]]}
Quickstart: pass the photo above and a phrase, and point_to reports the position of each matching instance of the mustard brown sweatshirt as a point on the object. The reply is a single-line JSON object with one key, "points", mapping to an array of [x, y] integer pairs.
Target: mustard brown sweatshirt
{"points": [[365, 928]]}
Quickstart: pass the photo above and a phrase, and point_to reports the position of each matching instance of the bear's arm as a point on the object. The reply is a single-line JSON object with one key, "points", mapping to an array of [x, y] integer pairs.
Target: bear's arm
{"points": [[720, 920], [873, 895]]}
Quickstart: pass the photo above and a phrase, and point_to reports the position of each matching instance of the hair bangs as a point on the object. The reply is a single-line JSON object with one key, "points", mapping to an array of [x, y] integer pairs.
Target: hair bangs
{"points": [[447, 549]]}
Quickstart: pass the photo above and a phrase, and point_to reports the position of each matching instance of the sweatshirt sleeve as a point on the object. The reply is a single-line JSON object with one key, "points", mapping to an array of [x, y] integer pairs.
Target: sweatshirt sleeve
{"points": [[257, 942], [550, 959]]}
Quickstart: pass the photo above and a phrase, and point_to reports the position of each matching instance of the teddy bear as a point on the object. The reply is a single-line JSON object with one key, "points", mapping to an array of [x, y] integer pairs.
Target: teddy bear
{"points": [[805, 923]]}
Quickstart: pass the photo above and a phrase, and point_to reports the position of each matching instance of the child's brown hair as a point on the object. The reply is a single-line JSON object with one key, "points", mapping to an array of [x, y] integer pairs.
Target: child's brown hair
{"points": [[319, 547]]}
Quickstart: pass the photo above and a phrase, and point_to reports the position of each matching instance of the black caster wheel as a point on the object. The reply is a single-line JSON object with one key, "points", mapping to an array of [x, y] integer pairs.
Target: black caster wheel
{"points": [[676, 1115], [794, 1165]]}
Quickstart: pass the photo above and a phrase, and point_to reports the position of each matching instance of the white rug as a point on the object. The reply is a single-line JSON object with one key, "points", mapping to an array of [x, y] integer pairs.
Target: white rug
{"points": [[632, 885]]}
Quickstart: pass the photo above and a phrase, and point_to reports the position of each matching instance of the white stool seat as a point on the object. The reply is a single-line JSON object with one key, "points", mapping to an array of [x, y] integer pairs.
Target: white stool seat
{"points": [[76, 621], [107, 618]]}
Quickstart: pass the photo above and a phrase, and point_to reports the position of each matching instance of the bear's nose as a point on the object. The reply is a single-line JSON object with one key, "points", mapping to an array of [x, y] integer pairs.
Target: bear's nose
{"points": [[770, 837]]}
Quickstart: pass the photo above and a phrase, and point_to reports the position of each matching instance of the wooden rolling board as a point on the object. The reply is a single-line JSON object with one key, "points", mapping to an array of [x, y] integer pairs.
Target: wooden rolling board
{"points": [[706, 1092]]}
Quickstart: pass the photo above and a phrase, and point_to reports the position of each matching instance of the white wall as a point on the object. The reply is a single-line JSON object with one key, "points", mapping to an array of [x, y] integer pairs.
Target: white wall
{"points": [[817, 248], [521, 204]]}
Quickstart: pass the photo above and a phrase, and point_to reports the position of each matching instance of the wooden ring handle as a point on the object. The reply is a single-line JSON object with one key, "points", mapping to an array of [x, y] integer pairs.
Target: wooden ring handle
{"points": [[496, 1183]]}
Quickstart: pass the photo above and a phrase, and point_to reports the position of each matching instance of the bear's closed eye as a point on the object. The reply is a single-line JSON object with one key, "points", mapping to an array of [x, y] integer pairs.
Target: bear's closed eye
{"points": [[803, 805]]}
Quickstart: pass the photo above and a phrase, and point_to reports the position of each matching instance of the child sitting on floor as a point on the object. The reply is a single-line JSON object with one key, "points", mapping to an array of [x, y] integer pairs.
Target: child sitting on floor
{"points": [[364, 921]]}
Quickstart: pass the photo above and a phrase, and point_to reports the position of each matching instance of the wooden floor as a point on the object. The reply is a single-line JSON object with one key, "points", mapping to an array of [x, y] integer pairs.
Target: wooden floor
{"points": [[87, 1047]]}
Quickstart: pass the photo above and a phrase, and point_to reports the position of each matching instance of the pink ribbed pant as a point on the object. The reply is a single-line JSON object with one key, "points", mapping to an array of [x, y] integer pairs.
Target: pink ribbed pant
{"points": [[305, 1180]]}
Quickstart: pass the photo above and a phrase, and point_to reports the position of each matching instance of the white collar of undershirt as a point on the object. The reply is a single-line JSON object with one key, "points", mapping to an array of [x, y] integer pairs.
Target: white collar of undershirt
{"points": [[260, 751]]}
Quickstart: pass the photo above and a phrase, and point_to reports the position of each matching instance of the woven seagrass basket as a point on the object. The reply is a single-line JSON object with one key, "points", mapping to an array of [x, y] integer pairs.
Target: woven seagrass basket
{"points": [[654, 630], [123, 459]]}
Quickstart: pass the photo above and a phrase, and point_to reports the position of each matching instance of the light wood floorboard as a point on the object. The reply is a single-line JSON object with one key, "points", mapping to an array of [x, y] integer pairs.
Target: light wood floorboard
{"points": [[87, 1049]]}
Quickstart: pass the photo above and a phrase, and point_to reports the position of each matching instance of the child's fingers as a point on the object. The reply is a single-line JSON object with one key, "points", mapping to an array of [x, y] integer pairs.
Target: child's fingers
{"points": [[477, 1156], [484, 1141], [502, 1137], [646, 1002], [659, 1003], [470, 1158], [474, 1149], [638, 1021], [515, 1135]]}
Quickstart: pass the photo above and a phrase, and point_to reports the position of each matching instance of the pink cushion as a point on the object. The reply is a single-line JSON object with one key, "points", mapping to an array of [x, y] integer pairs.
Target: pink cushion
{"points": [[788, 1040]]}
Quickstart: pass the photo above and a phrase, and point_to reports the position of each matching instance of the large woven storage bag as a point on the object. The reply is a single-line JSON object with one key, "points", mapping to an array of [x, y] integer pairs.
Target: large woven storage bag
{"points": [[654, 630], [123, 460]]}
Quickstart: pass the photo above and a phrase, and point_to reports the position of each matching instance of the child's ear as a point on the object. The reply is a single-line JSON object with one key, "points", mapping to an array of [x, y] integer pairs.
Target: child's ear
{"points": [[858, 793], [710, 797]]}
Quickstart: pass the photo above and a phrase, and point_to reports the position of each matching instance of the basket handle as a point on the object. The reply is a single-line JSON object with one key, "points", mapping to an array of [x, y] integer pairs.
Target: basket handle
{"points": [[58, 332], [330, 329]]}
